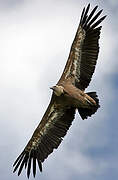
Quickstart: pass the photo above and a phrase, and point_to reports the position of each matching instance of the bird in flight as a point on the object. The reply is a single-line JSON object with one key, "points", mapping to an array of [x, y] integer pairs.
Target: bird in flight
{"points": [[68, 95]]}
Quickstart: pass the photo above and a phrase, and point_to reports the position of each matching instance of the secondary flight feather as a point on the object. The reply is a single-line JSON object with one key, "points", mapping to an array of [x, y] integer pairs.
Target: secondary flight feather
{"points": [[68, 95]]}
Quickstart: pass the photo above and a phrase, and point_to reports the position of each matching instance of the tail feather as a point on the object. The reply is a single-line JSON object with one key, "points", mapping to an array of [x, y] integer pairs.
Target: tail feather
{"points": [[85, 112]]}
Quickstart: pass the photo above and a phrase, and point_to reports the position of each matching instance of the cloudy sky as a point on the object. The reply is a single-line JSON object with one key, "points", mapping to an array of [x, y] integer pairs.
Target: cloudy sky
{"points": [[35, 39]]}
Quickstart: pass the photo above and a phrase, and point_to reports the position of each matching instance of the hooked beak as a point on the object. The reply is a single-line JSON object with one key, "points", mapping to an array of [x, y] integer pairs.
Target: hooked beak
{"points": [[52, 87]]}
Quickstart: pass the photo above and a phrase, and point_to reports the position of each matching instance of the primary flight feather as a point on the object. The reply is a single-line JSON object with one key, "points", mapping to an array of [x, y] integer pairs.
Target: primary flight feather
{"points": [[68, 95]]}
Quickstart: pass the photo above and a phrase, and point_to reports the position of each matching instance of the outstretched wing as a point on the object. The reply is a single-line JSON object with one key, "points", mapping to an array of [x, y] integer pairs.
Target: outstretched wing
{"points": [[47, 136], [84, 50]]}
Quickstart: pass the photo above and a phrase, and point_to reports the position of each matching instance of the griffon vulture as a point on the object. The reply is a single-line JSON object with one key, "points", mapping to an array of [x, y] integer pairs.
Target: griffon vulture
{"points": [[68, 95]]}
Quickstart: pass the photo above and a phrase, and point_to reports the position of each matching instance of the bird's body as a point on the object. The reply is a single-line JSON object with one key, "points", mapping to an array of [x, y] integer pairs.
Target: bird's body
{"points": [[73, 97], [68, 95]]}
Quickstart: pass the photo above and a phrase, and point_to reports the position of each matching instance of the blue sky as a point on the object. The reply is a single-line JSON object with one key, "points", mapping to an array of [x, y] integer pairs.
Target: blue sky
{"points": [[35, 39]]}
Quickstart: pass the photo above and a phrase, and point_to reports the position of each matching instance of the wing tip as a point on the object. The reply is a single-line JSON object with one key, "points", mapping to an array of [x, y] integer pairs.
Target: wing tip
{"points": [[88, 21], [24, 159]]}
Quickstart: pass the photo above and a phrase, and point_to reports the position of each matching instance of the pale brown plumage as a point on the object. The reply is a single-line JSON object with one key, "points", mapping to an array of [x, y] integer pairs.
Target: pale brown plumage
{"points": [[68, 95]]}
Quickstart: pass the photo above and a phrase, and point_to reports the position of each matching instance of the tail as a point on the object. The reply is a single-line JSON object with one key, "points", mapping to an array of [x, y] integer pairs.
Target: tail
{"points": [[84, 112]]}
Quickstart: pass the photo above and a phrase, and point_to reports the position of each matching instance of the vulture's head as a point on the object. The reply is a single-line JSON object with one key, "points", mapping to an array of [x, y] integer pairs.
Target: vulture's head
{"points": [[58, 90]]}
